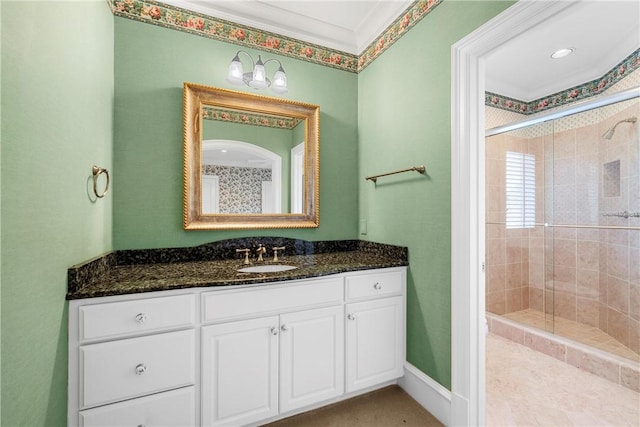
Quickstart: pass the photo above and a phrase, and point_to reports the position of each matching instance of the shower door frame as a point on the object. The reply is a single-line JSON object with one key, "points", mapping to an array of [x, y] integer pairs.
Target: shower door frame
{"points": [[551, 117], [591, 104]]}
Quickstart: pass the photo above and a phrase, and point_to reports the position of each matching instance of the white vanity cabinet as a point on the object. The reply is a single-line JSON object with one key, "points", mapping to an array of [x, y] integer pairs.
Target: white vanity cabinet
{"points": [[241, 355]]}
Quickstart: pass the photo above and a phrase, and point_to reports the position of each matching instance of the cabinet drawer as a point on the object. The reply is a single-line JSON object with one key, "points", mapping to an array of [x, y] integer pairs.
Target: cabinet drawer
{"points": [[379, 284], [171, 408], [271, 299], [130, 317], [119, 370]]}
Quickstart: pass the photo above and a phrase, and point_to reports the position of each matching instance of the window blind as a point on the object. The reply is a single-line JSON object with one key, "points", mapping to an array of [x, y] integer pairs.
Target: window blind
{"points": [[521, 190]]}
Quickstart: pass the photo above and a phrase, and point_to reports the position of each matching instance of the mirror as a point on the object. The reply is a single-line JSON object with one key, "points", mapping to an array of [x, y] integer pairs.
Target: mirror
{"points": [[250, 161], [247, 166]]}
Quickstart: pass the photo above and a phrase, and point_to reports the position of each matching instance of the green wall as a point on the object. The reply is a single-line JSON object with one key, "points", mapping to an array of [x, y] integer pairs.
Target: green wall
{"points": [[151, 64], [57, 109], [404, 104]]}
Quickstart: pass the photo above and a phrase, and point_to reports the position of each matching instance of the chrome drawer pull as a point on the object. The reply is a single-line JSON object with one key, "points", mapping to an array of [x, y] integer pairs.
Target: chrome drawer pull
{"points": [[351, 316], [377, 286], [141, 368], [141, 318]]}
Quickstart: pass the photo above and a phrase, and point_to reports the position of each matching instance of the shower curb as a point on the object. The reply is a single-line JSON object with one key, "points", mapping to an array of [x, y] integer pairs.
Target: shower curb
{"points": [[618, 370]]}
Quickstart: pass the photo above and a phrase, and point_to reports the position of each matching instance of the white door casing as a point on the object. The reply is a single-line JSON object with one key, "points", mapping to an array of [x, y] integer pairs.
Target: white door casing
{"points": [[467, 201]]}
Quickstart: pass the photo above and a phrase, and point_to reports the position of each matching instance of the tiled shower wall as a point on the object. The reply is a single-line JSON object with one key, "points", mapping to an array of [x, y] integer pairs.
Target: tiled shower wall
{"points": [[592, 275], [596, 271], [507, 250], [619, 255]]}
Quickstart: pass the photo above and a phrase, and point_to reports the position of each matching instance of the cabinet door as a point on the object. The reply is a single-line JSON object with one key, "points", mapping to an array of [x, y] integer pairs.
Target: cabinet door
{"points": [[240, 371], [375, 342], [311, 357]]}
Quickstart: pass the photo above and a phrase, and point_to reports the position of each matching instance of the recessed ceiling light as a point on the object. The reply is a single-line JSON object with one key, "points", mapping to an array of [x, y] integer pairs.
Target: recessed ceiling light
{"points": [[561, 53], [223, 151]]}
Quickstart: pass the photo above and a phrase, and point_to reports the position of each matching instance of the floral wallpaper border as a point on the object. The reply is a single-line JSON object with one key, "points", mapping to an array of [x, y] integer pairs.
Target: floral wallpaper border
{"points": [[567, 96], [223, 115], [168, 16], [407, 19]]}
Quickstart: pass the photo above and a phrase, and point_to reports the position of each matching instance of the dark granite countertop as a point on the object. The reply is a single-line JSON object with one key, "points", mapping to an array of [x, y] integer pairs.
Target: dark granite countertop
{"points": [[216, 264]]}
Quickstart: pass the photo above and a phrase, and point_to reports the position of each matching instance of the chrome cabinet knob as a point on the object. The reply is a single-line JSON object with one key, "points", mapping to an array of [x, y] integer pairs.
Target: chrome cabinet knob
{"points": [[141, 368], [274, 330], [141, 425], [377, 286], [351, 316], [284, 328], [141, 318]]}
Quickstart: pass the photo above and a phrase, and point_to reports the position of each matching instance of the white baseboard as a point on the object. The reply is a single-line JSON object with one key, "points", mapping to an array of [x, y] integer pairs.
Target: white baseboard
{"points": [[430, 394]]}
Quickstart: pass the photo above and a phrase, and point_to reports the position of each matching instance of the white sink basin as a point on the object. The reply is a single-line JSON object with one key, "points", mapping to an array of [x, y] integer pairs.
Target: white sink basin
{"points": [[272, 268]]}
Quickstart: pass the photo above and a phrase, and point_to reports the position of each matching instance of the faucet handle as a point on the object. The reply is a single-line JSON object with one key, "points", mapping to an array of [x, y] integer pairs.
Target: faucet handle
{"points": [[261, 250], [275, 252], [246, 255]]}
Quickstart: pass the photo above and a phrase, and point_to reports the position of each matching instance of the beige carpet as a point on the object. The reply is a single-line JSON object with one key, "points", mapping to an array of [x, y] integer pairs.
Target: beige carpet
{"points": [[387, 407]]}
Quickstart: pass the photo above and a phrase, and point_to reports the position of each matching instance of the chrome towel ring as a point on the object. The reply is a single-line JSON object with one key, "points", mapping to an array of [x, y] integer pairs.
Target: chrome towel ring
{"points": [[97, 171]]}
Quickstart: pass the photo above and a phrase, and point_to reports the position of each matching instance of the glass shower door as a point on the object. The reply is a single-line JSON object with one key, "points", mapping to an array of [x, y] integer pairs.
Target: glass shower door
{"points": [[518, 255]]}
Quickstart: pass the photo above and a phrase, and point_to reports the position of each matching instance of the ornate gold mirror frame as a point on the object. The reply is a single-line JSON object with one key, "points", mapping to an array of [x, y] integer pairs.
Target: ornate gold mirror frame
{"points": [[196, 97]]}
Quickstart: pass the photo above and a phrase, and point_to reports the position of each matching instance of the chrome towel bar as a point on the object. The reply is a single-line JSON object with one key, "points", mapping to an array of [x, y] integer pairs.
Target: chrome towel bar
{"points": [[420, 169]]}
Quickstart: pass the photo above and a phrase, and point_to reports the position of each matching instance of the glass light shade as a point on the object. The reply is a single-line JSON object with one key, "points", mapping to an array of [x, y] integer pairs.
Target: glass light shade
{"points": [[235, 72], [279, 84], [259, 79]]}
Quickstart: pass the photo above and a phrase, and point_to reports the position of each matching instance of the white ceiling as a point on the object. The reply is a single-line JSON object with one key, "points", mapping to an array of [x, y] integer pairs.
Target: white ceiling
{"points": [[603, 32], [345, 25]]}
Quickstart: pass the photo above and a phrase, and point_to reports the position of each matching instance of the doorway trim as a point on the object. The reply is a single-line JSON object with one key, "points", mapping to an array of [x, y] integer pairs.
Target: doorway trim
{"points": [[467, 201]]}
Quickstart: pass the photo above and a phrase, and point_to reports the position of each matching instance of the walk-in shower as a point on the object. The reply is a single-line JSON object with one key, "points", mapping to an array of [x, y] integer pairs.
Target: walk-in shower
{"points": [[563, 223]]}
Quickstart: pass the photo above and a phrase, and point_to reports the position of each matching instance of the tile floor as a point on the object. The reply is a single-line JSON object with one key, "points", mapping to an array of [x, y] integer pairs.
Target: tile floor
{"points": [[528, 388], [576, 331]]}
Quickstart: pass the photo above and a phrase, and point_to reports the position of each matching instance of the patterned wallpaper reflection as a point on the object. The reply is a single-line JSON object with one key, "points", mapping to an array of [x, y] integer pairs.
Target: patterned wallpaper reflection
{"points": [[240, 188]]}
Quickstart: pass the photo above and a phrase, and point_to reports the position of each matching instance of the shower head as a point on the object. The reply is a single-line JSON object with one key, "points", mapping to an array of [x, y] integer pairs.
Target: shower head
{"points": [[609, 133]]}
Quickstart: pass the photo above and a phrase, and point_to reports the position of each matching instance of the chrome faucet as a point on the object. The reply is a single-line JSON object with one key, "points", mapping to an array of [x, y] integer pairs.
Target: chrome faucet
{"points": [[260, 251]]}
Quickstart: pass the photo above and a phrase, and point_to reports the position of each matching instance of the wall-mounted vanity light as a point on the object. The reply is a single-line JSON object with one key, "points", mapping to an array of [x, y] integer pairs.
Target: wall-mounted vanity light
{"points": [[258, 77]]}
